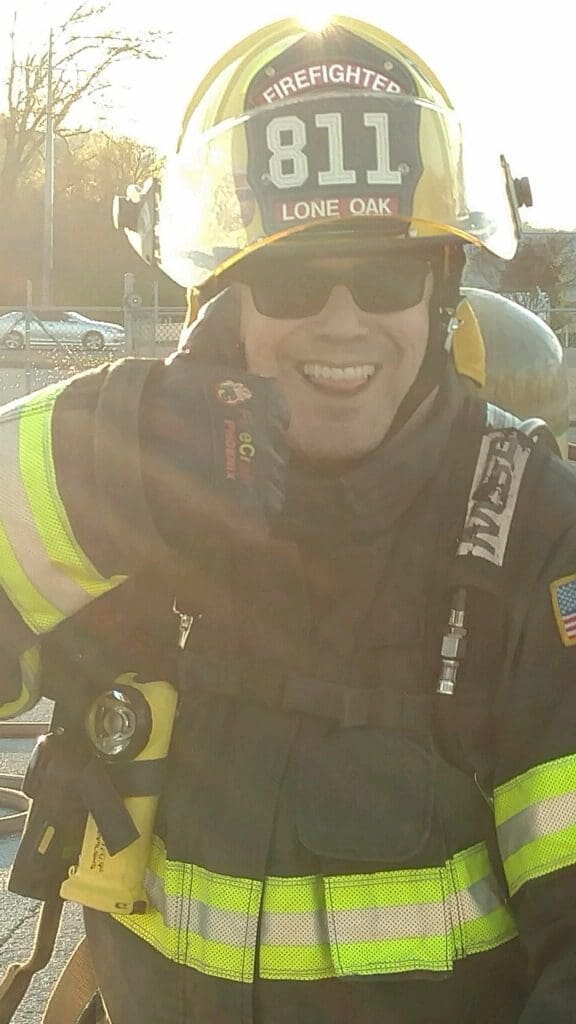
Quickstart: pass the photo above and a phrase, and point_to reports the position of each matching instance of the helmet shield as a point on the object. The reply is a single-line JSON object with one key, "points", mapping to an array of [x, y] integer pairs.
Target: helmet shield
{"points": [[341, 135]]}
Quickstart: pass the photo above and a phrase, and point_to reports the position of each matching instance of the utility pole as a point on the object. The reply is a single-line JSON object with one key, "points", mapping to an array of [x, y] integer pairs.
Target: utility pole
{"points": [[48, 234]]}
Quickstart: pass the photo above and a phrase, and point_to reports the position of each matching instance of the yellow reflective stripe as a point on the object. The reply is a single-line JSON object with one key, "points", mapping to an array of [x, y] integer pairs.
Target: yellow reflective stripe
{"points": [[39, 476], [38, 614], [484, 919], [294, 939], [199, 918], [552, 778], [44, 573], [540, 857], [29, 671], [19, 544], [314, 927], [535, 815]]}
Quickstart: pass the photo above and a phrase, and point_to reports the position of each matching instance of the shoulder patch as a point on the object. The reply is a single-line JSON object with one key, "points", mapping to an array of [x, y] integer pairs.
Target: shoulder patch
{"points": [[563, 593], [499, 470]]}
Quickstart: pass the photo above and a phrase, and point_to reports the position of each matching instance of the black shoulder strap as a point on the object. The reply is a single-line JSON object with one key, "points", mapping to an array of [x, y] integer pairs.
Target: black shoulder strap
{"points": [[512, 517], [516, 511], [117, 457]]}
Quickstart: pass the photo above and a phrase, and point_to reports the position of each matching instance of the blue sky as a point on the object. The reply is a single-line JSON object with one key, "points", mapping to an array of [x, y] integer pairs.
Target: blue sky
{"points": [[508, 68]]}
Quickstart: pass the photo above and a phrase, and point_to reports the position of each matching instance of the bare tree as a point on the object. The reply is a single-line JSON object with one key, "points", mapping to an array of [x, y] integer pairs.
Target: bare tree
{"points": [[98, 166], [102, 166], [85, 51]]}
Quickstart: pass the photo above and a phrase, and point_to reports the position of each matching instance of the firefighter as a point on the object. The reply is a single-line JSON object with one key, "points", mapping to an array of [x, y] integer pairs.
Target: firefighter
{"points": [[357, 578]]}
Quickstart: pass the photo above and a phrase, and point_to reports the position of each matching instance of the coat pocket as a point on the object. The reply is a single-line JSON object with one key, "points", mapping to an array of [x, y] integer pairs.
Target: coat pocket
{"points": [[366, 794], [390, 923]]}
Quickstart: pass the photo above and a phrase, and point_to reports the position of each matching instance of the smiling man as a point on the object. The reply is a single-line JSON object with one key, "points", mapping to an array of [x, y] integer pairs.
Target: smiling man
{"points": [[358, 577], [345, 339]]}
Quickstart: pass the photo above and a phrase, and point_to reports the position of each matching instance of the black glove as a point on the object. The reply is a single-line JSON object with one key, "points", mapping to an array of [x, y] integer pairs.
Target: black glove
{"points": [[213, 452]]}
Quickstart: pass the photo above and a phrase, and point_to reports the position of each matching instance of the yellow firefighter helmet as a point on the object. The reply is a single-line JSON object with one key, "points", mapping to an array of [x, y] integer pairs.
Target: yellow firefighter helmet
{"points": [[345, 130]]}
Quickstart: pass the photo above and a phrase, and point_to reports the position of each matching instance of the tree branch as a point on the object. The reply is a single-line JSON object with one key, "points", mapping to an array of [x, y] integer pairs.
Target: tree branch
{"points": [[84, 53]]}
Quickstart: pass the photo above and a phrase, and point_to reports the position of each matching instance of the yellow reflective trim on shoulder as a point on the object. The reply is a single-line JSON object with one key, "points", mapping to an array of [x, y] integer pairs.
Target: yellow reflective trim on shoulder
{"points": [[29, 671], [43, 571], [38, 614], [50, 517]]}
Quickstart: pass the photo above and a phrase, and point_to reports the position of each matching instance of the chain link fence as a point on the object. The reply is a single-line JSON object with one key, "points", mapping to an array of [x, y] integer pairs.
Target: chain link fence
{"points": [[41, 346], [150, 330]]}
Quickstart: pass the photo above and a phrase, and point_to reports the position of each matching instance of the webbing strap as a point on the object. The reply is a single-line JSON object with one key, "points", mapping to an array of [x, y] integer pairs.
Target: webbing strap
{"points": [[274, 687], [118, 456]]}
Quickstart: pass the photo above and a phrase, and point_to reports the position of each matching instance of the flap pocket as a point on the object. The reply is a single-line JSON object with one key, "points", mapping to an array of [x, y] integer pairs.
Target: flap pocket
{"points": [[366, 794], [390, 923]]}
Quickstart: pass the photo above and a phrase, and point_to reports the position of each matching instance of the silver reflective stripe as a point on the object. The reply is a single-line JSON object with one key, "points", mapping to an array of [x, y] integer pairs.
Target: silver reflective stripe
{"points": [[478, 900], [313, 928], [411, 920], [232, 927], [294, 928], [56, 587], [499, 419], [540, 819]]}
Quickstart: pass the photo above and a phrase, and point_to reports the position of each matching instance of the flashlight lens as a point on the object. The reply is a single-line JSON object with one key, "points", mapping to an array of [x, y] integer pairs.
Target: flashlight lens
{"points": [[117, 726]]}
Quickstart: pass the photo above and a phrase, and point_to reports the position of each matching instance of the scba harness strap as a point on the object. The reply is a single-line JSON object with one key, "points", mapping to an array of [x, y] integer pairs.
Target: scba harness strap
{"points": [[505, 540], [507, 451], [503, 455]]}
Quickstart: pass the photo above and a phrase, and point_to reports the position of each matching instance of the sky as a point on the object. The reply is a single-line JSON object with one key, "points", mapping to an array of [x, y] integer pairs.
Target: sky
{"points": [[508, 66]]}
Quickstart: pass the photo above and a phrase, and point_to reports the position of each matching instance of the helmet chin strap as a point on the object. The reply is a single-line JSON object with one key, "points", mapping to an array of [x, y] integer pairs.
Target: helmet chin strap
{"points": [[443, 302]]}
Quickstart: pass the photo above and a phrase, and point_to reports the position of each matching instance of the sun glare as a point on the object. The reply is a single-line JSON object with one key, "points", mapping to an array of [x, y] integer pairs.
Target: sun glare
{"points": [[314, 17]]}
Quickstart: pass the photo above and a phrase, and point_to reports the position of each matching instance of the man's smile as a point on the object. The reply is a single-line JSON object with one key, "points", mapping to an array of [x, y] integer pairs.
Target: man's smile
{"points": [[343, 378]]}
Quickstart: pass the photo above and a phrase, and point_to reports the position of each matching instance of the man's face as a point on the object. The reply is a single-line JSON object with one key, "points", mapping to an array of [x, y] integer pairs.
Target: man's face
{"points": [[343, 371]]}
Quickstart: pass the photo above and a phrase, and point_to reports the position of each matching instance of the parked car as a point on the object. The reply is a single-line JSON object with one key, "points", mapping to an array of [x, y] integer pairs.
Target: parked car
{"points": [[52, 327]]}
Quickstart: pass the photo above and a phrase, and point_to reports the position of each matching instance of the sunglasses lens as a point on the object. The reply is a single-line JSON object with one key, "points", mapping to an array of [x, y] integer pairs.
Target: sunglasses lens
{"points": [[389, 285], [288, 291]]}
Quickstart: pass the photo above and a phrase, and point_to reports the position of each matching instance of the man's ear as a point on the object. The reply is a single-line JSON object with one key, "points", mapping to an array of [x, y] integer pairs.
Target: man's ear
{"points": [[214, 336]]}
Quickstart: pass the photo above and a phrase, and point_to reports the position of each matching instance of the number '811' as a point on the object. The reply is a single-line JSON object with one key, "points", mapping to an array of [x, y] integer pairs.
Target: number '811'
{"points": [[288, 165]]}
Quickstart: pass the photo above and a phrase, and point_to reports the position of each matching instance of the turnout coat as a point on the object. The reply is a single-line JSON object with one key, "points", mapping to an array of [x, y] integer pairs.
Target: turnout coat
{"points": [[336, 841]]}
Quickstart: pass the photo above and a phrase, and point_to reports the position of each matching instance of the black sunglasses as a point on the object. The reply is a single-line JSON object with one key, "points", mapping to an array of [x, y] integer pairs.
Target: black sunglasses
{"points": [[287, 290]]}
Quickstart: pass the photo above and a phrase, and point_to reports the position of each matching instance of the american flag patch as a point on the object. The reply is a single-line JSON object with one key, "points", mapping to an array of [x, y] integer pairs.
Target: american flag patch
{"points": [[564, 603]]}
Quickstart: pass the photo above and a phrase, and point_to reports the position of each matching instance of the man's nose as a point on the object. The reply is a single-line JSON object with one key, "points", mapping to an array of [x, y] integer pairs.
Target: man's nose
{"points": [[340, 316]]}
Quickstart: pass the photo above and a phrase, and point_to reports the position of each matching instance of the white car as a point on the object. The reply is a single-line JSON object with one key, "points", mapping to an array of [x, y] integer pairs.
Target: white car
{"points": [[51, 327]]}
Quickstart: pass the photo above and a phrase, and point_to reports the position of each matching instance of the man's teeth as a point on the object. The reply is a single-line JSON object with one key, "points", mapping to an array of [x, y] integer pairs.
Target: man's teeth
{"points": [[319, 371]]}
